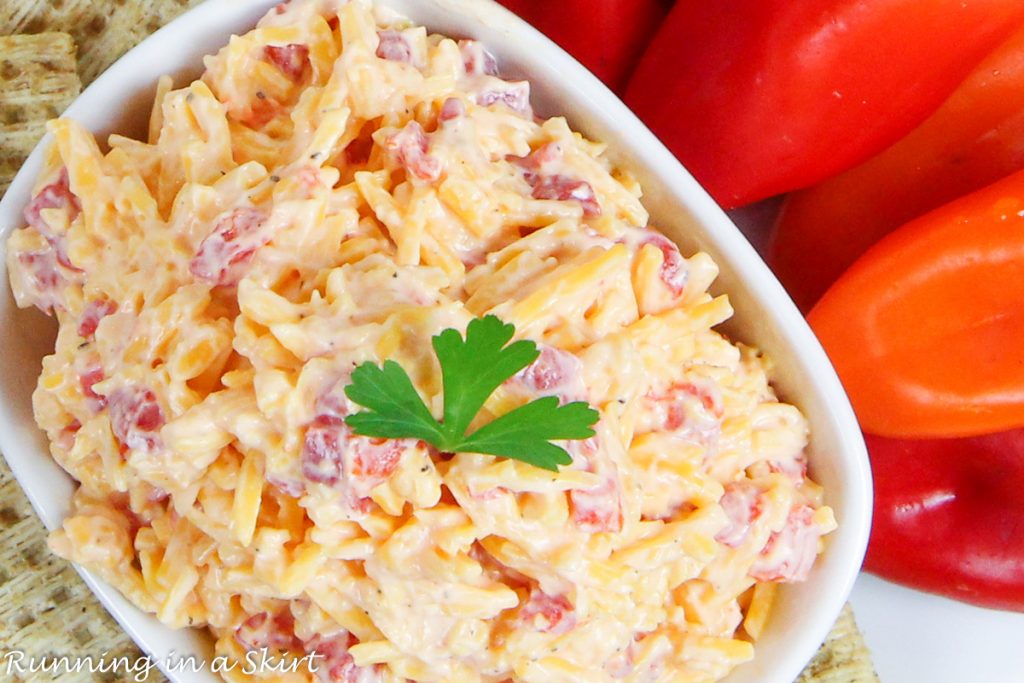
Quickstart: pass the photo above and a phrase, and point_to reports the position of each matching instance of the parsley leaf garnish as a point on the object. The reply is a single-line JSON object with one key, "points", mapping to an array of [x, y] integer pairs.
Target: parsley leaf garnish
{"points": [[471, 369]]}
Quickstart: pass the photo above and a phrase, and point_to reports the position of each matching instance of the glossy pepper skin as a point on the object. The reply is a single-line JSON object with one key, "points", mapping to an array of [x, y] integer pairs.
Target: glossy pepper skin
{"points": [[760, 97], [975, 138], [926, 328], [949, 516], [606, 36]]}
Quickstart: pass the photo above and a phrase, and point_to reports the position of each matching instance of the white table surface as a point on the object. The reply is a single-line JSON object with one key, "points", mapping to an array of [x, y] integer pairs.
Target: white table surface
{"points": [[919, 638]]}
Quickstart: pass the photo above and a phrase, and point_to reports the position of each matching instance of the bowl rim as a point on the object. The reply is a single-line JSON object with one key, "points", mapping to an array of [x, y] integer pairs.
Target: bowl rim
{"points": [[125, 80]]}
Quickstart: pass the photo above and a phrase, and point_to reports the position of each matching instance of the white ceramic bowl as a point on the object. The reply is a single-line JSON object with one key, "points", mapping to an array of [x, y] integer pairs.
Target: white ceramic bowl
{"points": [[119, 101]]}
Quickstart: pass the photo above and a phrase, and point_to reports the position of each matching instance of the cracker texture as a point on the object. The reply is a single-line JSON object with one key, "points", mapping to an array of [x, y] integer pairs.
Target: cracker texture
{"points": [[45, 607], [843, 657], [38, 80], [103, 29]]}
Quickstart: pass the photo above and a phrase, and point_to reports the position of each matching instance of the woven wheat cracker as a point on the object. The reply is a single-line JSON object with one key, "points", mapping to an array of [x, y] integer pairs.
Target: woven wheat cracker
{"points": [[103, 30], [37, 81], [45, 608], [843, 657]]}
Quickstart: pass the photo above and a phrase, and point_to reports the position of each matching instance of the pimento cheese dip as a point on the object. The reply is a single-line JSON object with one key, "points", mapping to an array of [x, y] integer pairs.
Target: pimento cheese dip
{"points": [[339, 186]]}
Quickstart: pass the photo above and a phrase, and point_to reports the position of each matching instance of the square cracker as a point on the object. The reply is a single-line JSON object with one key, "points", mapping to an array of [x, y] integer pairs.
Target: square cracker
{"points": [[843, 657], [103, 30], [37, 82]]}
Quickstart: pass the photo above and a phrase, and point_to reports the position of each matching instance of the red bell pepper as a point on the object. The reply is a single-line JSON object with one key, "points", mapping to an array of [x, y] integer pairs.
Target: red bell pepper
{"points": [[949, 516], [760, 97], [926, 329], [606, 36], [975, 138]]}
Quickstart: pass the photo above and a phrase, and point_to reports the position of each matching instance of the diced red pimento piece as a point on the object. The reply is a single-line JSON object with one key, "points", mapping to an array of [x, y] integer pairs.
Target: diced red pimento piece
{"points": [[540, 171], [261, 110], [394, 46], [336, 665], [88, 379], [287, 485], [94, 311], [552, 369], [554, 373], [136, 418], [375, 459], [673, 269], [795, 468], [453, 108], [496, 570], [597, 509], [564, 188], [411, 149], [682, 401], [323, 450], [273, 632], [290, 59], [357, 152], [65, 440], [476, 59], [332, 455], [44, 277], [539, 159], [61, 253], [742, 504], [548, 614], [235, 238], [710, 397], [326, 439], [56, 195], [789, 554], [514, 95]]}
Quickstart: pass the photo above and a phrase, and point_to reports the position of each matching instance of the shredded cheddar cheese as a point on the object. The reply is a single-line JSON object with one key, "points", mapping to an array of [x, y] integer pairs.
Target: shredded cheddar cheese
{"points": [[338, 187]]}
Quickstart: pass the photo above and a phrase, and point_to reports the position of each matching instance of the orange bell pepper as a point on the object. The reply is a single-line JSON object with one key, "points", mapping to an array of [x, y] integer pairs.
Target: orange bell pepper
{"points": [[926, 329]]}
